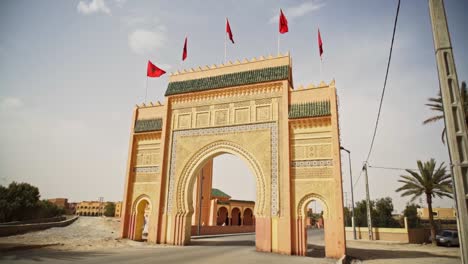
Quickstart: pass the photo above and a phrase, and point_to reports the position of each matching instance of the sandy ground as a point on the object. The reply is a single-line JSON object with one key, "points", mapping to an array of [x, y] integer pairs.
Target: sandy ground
{"points": [[86, 233]]}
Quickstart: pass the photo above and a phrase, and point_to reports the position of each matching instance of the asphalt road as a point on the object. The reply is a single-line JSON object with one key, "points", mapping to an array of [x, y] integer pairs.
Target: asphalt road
{"points": [[238, 249]]}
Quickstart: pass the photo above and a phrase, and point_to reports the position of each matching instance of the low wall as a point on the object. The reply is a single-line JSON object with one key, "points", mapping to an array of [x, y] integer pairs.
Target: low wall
{"points": [[215, 230], [9, 230], [413, 235], [33, 221], [419, 235], [387, 234]]}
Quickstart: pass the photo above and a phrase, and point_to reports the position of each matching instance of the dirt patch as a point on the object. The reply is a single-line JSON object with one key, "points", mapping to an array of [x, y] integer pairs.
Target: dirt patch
{"points": [[87, 233]]}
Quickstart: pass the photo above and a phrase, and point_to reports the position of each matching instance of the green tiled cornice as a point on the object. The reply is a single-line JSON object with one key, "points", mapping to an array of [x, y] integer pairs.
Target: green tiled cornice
{"points": [[148, 125], [311, 109], [218, 193], [227, 80]]}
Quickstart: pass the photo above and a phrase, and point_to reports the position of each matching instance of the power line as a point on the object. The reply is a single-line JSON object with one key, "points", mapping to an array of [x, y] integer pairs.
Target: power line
{"points": [[383, 90], [385, 82], [357, 180], [383, 168], [391, 168]]}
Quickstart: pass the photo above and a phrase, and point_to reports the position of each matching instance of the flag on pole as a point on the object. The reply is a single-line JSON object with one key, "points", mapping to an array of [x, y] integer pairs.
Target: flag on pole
{"points": [[320, 44], [153, 70], [184, 52], [283, 23], [228, 31]]}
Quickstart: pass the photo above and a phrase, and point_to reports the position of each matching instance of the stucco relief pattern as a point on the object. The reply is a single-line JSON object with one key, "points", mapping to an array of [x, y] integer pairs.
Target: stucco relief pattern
{"points": [[312, 163], [146, 169], [223, 130]]}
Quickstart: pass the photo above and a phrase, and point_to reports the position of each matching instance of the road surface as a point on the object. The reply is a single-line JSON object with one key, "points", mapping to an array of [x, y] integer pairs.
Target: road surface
{"points": [[238, 249]]}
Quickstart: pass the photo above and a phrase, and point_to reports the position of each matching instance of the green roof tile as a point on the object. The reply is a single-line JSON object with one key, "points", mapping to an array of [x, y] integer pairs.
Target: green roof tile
{"points": [[218, 193], [310, 109], [146, 125], [227, 80]]}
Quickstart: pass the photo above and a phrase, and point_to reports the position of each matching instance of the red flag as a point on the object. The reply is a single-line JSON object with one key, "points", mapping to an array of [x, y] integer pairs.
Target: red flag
{"points": [[320, 44], [228, 31], [283, 23], [153, 70], [184, 53]]}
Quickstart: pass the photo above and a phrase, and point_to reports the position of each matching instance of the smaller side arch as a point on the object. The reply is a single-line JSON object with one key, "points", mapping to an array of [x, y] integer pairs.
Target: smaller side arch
{"points": [[301, 208], [300, 246], [139, 221]]}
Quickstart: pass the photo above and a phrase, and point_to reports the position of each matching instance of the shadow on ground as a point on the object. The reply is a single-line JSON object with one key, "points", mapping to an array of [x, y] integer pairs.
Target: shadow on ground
{"points": [[45, 254], [242, 243], [317, 251]]}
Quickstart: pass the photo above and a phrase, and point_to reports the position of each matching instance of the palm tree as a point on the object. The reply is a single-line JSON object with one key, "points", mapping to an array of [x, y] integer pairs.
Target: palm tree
{"points": [[435, 103], [430, 182]]}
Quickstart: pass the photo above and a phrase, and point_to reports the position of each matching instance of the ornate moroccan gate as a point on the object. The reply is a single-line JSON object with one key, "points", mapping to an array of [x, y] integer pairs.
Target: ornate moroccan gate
{"points": [[289, 138]]}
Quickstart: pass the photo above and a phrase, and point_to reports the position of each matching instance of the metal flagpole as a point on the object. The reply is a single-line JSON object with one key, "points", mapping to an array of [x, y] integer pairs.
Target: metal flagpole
{"points": [[321, 68], [279, 35], [146, 92], [225, 42]]}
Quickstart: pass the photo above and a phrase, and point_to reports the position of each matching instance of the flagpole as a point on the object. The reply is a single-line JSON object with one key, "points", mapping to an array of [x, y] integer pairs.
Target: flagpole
{"points": [[321, 68], [146, 92], [279, 35], [225, 43]]}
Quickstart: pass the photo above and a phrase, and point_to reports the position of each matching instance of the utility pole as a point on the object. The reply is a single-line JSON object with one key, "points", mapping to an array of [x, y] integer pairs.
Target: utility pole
{"points": [[457, 139], [352, 193], [200, 204], [369, 218], [101, 200]]}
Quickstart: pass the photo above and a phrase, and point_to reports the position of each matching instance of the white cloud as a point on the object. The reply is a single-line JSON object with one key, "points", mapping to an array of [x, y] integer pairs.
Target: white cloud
{"points": [[299, 10], [120, 3], [10, 103], [95, 6], [145, 41]]}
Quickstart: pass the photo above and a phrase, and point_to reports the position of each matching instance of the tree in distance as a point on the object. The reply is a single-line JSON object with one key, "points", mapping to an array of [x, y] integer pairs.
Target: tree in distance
{"points": [[109, 209], [429, 182]]}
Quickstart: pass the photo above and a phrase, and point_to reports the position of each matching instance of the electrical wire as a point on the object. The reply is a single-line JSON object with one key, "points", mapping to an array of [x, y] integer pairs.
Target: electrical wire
{"points": [[383, 90], [391, 168], [385, 83]]}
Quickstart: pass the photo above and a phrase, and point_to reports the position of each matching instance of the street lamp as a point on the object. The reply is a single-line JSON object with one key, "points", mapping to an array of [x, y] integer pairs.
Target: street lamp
{"points": [[352, 193]]}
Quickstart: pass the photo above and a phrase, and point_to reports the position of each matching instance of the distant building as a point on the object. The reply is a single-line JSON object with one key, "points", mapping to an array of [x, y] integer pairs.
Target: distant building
{"points": [[118, 209], [217, 207], [64, 204], [90, 208], [59, 202], [72, 208], [438, 213]]}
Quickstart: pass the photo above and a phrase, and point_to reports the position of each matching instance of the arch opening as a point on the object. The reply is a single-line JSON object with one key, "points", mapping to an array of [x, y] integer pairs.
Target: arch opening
{"points": [[142, 211], [210, 206], [312, 216]]}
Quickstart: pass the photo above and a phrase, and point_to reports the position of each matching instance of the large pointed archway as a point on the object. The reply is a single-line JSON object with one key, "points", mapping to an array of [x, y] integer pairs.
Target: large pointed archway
{"points": [[185, 188]]}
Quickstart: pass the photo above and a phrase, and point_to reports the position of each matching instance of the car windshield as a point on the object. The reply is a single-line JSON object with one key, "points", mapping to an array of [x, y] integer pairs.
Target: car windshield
{"points": [[446, 234]]}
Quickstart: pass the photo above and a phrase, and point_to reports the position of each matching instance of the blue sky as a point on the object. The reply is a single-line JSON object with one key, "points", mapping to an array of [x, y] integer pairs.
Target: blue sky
{"points": [[71, 72]]}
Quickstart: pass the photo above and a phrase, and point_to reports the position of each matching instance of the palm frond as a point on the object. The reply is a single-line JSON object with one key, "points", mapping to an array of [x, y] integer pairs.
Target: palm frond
{"points": [[433, 119]]}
